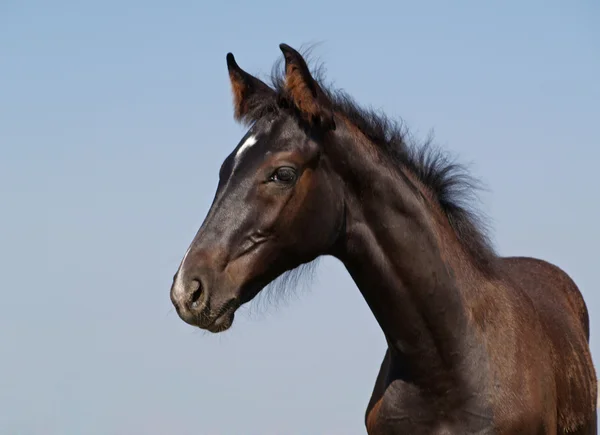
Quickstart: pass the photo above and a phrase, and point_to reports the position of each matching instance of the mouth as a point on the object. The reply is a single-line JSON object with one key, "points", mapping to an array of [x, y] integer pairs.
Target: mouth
{"points": [[223, 319], [221, 323]]}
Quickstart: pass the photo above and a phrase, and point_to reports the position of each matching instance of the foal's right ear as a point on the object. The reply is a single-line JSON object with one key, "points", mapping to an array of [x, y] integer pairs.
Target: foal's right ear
{"points": [[304, 91], [249, 92]]}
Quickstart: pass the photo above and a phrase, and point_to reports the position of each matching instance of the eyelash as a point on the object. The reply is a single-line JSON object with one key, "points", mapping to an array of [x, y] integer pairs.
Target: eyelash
{"points": [[276, 175]]}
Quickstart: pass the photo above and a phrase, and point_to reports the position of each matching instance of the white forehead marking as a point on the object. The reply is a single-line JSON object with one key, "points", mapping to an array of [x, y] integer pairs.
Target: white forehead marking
{"points": [[247, 144]]}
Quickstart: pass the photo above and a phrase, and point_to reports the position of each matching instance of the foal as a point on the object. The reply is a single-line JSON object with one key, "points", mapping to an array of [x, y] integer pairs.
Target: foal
{"points": [[477, 343]]}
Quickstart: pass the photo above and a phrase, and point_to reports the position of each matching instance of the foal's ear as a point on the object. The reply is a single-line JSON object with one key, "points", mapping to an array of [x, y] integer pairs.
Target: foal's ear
{"points": [[249, 93], [304, 91]]}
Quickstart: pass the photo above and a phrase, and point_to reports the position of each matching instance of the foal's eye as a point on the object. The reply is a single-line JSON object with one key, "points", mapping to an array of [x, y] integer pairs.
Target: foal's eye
{"points": [[285, 174]]}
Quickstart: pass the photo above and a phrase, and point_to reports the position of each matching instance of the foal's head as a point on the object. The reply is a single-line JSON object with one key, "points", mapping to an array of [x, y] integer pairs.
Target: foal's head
{"points": [[277, 205]]}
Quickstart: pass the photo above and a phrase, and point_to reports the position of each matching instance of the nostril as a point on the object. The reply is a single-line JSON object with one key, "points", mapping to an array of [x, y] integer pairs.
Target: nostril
{"points": [[196, 288]]}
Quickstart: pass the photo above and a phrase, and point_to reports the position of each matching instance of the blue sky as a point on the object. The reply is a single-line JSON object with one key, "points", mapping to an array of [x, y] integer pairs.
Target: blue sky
{"points": [[114, 120]]}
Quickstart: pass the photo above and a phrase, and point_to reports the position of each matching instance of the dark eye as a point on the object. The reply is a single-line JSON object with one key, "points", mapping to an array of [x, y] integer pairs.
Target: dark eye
{"points": [[285, 174]]}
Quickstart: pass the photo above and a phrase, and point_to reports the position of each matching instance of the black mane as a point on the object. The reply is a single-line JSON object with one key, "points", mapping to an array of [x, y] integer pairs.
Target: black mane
{"points": [[451, 184]]}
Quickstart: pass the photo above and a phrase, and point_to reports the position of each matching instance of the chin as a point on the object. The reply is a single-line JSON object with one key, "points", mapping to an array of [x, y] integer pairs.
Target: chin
{"points": [[215, 325], [222, 324]]}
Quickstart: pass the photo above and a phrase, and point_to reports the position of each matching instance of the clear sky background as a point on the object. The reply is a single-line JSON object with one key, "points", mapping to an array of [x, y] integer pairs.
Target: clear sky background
{"points": [[114, 120]]}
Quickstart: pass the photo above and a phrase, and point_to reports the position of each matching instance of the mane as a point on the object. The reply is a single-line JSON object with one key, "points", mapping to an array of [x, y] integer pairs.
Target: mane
{"points": [[450, 183]]}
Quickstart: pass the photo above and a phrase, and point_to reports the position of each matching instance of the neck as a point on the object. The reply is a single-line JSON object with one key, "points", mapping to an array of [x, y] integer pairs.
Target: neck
{"points": [[408, 269]]}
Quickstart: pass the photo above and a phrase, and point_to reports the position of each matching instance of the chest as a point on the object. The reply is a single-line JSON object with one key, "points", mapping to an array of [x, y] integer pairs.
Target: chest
{"points": [[404, 410]]}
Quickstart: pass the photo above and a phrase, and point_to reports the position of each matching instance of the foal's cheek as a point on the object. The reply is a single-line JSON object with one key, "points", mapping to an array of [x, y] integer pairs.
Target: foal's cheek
{"points": [[317, 216], [267, 209]]}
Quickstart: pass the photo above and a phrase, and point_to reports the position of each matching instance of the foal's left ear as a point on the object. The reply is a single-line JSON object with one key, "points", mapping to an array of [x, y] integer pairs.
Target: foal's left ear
{"points": [[249, 93], [304, 91]]}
